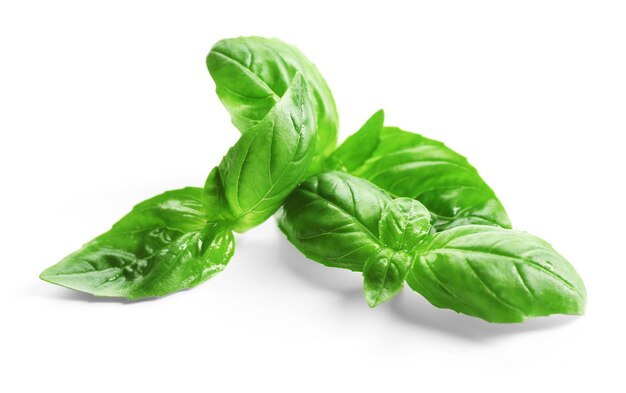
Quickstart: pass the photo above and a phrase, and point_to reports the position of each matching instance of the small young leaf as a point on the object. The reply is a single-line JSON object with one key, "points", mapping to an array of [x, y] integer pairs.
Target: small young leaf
{"points": [[384, 274], [163, 245], [359, 146], [252, 74], [496, 274], [403, 224]]}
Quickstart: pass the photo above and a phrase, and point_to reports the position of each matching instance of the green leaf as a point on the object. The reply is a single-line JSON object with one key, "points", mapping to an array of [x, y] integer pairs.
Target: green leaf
{"points": [[410, 165], [252, 74], [496, 274], [214, 198], [265, 165], [333, 218], [384, 274], [359, 146], [403, 224], [163, 245], [342, 221]]}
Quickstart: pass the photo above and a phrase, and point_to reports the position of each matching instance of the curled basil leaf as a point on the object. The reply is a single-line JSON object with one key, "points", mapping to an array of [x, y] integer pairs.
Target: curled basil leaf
{"points": [[409, 165], [163, 245], [343, 221], [252, 74], [496, 274], [266, 164]]}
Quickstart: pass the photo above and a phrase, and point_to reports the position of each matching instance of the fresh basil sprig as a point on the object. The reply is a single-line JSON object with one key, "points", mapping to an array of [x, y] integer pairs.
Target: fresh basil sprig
{"points": [[497, 274], [391, 204], [181, 238], [343, 221]]}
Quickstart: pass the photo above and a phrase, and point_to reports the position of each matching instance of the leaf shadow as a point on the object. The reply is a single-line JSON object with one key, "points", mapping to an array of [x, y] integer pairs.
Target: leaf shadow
{"points": [[409, 307], [345, 283]]}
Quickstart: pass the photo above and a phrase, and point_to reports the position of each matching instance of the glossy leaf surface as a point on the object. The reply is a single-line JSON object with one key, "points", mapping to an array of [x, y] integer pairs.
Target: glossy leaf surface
{"points": [[252, 74], [358, 147], [343, 221], [410, 165], [265, 164], [403, 224], [384, 274], [496, 274], [333, 218], [163, 245]]}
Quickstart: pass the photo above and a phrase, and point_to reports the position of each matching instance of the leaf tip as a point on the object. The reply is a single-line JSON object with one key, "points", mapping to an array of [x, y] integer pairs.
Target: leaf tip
{"points": [[377, 119], [46, 276], [375, 297], [372, 301]]}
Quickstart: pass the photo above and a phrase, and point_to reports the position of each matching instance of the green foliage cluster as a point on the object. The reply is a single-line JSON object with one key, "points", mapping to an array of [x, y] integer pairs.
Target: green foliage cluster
{"points": [[394, 205]]}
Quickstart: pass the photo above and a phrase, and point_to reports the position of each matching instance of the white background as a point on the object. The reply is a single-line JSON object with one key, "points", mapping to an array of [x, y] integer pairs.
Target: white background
{"points": [[104, 104]]}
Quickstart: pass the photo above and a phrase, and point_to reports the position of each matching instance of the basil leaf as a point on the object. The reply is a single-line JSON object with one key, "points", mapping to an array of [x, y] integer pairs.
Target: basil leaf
{"points": [[252, 74], [163, 245], [214, 197], [384, 274], [403, 224], [496, 274], [359, 146], [343, 221], [266, 164], [410, 165], [333, 218]]}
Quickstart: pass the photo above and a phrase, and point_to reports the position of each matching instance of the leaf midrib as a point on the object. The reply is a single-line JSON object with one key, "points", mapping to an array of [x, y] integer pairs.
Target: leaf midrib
{"points": [[251, 74], [536, 265], [366, 230]]}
